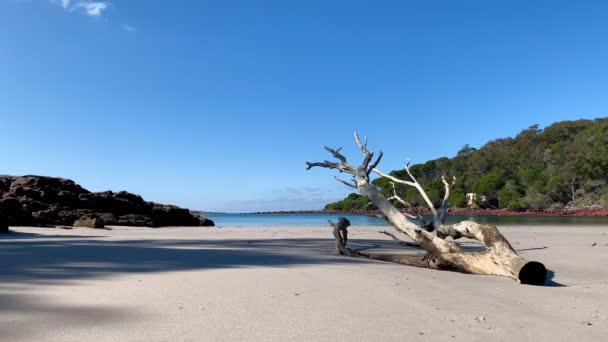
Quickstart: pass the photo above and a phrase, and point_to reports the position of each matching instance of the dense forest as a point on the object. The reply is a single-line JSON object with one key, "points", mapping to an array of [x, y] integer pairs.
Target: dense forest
{"points": [[562, 165]]}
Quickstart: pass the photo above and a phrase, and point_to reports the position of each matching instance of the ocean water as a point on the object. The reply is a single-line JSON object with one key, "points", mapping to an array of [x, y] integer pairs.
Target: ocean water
{"points": [[266, 220], [270, 220]]}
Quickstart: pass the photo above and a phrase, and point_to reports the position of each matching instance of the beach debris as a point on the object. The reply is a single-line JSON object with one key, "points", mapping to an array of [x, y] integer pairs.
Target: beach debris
{"points": [[480, 319], [428, 234], [586, 323], [595, 243]]}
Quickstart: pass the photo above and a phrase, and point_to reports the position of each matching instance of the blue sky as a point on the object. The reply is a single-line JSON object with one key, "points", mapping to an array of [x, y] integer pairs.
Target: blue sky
{"points": [[216, 105]]}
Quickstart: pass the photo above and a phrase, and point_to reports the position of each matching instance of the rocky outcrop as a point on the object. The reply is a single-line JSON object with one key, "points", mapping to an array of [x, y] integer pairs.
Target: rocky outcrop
{"points": [[38, 200], [89, 221], [3, 224], [3, 221]]}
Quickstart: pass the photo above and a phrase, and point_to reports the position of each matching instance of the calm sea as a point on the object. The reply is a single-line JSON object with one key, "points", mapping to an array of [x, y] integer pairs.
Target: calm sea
{"points": [[258, 220]]}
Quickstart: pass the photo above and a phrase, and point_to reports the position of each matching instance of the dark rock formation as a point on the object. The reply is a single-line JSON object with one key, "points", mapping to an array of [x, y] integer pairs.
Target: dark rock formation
{"points": [[89, 221], [3, 221], [37, 200], [206, 222], [3, 224]]}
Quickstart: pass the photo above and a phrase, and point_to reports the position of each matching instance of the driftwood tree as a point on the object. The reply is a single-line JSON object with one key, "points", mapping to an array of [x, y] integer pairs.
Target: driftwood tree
{"points": [[498, 258]]}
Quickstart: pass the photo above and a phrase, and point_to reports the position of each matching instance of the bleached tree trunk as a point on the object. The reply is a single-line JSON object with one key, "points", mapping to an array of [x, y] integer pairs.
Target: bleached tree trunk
{"points": [[499, 258]]}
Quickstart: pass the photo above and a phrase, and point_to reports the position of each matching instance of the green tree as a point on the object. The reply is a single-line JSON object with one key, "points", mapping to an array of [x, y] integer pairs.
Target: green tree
{"points": [[558, 165], [488, 187], [458, 198], [510, 196]]}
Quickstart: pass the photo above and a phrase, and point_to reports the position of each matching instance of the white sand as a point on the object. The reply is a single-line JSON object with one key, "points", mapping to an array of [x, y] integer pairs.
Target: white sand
{"points": [[285, 284]]}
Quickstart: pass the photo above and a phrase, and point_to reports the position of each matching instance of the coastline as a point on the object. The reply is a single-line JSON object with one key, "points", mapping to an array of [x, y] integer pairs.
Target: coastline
{"points": [[574, 212]]}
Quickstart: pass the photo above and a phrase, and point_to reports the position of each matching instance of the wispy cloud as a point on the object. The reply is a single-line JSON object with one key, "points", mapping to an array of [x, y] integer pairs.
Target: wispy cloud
{"points": [[91, 8], [129, 28]]}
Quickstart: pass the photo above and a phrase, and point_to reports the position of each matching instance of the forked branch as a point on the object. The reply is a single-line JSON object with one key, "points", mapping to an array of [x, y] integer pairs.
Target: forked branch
{"points": [[443, 209]]}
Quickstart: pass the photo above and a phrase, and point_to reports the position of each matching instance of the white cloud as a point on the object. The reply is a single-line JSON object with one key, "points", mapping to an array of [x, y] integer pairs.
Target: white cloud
{"points": [[91, 8], [129, 28]]}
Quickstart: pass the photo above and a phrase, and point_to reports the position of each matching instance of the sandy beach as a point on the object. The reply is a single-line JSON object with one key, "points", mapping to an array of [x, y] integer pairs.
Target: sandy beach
{"points": [[286, 284]]}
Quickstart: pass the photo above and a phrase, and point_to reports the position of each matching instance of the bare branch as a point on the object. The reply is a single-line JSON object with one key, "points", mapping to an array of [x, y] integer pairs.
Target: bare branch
{"points": [[407, 168], [395, 196], [394, 179], [418, 214], [362, 147], [399, 241], [326, 164], [417, 219], [414, 184], [421, 191], [368, 155], [342, 167], [443, 210], [374, 164], [438, 217], [369, 204], [337, 154], [352, 185], [318, 164]]}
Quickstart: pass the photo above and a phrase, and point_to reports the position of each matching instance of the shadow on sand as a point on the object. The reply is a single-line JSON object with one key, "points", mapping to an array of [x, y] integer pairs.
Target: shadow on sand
{"points": [[30, 259], [550, 282], [37, 258]]}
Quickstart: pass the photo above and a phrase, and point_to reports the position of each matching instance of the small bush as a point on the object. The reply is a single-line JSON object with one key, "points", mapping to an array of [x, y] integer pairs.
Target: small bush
{"points": [[458, 199], [535, 201], [514, 205]]}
